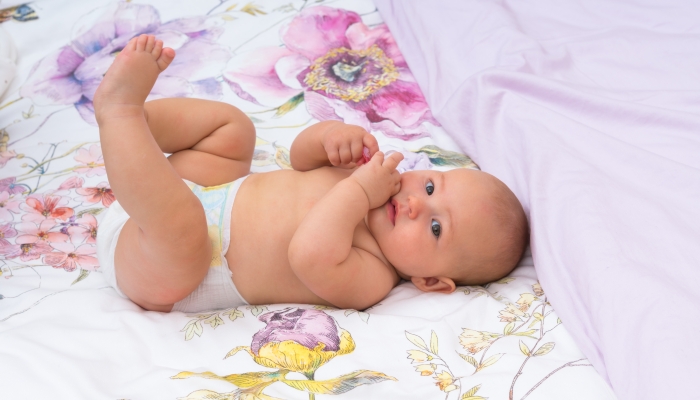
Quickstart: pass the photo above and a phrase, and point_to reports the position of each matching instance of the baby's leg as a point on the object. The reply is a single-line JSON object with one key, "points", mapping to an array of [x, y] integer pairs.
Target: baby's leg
{"points": [[163, 252], [211, 142]]}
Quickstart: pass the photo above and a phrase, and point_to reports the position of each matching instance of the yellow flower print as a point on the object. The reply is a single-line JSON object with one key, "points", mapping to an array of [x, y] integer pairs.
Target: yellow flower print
{"points": [[525, 301], [445, 381], [292, 356], [418, 356], [426, 369], [475, 341], [511, 313], [538, 289]]}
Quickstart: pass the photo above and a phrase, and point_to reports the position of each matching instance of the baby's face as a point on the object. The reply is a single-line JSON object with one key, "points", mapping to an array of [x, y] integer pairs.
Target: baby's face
{"points": [[422, 229]]}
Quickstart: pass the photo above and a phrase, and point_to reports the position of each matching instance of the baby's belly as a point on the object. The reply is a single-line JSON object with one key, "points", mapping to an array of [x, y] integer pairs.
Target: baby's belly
{"points": [[266, 213]]}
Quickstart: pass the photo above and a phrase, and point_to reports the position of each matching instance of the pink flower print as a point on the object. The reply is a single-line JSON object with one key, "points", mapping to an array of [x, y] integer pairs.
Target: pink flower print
{"points": [[7, 206], [73, 182], [86, 228], [94, 195], [11, 186], [31, 233], [6, 156], [93, 161], [343, 70], [39, 209], [69, 257], [6, 231], [26, 252]]}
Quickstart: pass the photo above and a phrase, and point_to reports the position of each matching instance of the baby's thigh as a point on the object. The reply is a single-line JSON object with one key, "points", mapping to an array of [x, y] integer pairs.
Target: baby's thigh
{"points": [[153, 271]]}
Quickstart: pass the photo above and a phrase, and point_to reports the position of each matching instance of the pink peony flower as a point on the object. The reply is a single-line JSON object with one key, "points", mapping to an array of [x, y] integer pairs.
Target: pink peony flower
{"points": [[8, 206], [344, 70], [26, 252], [6, 231], [31, 233], [94, 195], [93, 161], [86, 228], [69, 257], [11, 186], [39, 209]]}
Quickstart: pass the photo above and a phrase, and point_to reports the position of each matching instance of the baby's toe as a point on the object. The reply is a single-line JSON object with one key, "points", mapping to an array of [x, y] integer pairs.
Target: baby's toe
{"points": [[166, 57], [141, 43], [157, 48], [150, 43]]}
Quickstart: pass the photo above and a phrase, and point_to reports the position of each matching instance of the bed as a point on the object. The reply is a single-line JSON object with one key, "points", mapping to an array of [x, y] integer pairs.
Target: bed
{"points": [[588, 110], [64, 333]]}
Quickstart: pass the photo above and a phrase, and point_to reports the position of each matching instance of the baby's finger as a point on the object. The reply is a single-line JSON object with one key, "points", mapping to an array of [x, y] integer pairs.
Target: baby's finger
{"points": [[393, 160], [334, 157], [345, 154], [370, 142], [397, 188], [356, 148], [378, 158]]}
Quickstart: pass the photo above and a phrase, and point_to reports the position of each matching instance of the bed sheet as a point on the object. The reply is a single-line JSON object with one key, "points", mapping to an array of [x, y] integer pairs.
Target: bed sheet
{"points": [[588, 109], [64, 333]]}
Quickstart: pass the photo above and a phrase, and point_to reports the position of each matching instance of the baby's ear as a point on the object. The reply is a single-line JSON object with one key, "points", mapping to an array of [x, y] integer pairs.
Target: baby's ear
{"points": [[435, 284]]}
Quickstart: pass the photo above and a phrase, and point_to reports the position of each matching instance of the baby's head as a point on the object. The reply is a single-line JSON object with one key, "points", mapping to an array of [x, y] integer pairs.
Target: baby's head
{"points": [[461, 227]]}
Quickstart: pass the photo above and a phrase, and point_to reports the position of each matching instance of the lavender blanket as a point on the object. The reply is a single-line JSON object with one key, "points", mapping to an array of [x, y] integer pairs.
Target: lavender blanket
{"points": [[590, 111]]}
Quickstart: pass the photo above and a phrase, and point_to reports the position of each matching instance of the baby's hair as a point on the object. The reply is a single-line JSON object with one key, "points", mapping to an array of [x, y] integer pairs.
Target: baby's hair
{"points": [[509, 244]]}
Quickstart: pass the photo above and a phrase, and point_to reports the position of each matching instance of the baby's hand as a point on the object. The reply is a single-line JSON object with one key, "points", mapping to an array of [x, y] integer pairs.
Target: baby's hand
{"points": [[379, 178], [344, 145]]}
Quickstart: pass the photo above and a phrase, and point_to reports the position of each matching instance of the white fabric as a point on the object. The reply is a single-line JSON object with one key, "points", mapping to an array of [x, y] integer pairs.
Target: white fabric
{"points": [[8, 57]]}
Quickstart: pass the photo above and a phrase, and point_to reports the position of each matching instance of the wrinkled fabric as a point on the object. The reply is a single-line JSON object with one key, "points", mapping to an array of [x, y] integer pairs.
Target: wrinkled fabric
{"points": [[588, 111]]}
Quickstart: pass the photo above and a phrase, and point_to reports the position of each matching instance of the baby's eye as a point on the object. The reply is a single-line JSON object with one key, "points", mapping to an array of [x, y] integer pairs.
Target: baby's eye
{"points": [[435, 227], [430, 188]]}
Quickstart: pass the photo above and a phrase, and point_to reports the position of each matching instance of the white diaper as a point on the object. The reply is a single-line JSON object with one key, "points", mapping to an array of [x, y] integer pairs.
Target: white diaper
{"points": [[217, 290]]}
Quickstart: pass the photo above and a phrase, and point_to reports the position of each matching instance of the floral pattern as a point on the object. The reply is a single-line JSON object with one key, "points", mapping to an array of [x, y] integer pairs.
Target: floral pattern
{"points": [[285, 65], [293, 340], [517, 315], [72, 73], [343, 69]]}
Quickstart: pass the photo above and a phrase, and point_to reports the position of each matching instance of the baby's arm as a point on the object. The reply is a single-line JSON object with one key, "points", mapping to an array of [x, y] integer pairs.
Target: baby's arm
{"points": [[331, 143], [321, 252]]}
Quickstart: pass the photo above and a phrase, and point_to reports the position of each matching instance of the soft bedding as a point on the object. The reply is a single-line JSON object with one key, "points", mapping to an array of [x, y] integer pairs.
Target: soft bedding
{"points": [[589, 111], [64, 333]]}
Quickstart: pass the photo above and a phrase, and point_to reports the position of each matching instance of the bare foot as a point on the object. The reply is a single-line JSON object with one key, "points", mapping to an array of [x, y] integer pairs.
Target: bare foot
{"points": [[131, 77]]}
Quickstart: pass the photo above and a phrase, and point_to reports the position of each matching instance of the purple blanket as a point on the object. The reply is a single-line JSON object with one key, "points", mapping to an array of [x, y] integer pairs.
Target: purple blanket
{"points": [[590, 111]]}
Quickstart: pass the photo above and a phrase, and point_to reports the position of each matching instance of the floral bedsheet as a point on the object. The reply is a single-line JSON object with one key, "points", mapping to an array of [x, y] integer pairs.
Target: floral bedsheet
{"points": [[65, 334]]}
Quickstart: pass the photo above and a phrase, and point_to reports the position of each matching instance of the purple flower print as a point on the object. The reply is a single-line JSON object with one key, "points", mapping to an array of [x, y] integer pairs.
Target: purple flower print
{"points": [[299, 340], [345, 71], [11, 186], [72, 74], [26, 251], [6, 231], [306, 327]]}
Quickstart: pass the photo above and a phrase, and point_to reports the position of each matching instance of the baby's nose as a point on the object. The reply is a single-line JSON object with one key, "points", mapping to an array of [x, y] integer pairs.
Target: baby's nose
{"points": [[415, 207]]}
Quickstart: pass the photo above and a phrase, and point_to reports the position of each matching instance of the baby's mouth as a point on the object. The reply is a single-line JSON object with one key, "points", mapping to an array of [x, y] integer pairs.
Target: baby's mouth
{"points": [[391, 211]]}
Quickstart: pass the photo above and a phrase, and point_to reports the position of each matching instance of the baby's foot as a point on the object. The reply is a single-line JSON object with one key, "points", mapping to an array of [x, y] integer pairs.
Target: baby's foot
{"points": [[130, 79]]}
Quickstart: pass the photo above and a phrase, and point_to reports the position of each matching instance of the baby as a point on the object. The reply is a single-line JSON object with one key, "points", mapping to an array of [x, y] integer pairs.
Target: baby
{"points": [[195, 231]]}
